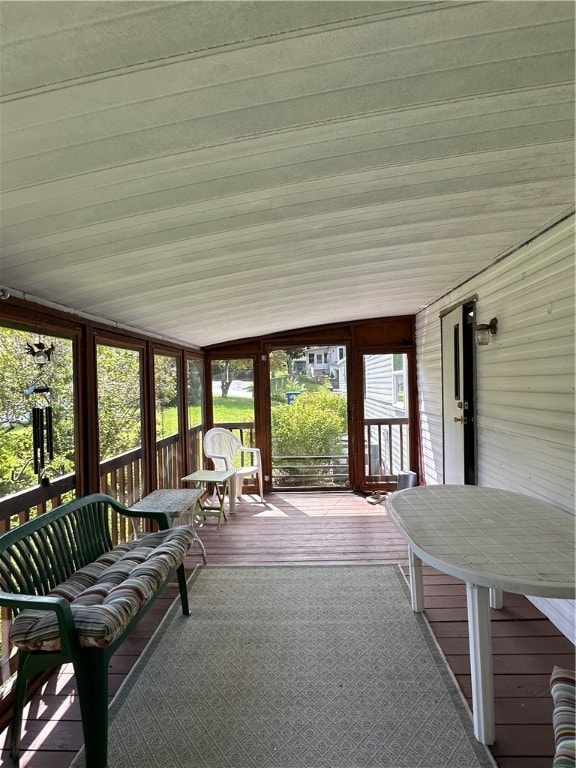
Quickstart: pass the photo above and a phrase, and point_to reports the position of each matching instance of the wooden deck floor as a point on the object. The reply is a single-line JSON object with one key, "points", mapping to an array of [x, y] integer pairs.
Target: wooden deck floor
{"points": [[342, 528]]}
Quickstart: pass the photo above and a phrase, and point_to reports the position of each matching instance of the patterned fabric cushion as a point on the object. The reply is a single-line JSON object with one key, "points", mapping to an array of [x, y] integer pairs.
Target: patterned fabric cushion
{"points": [[106, 594], [562, 686]]}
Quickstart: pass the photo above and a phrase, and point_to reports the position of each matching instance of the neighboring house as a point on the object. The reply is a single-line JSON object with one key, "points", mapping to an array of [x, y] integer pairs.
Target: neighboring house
{"points": [[525, 379], [318, 362]]}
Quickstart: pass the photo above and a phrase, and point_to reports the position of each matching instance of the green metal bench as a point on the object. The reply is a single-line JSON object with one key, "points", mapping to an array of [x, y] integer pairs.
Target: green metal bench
{"points": [[75, 597]]}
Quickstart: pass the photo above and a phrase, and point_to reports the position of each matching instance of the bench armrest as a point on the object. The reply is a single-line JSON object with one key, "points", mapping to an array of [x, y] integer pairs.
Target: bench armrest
{"points": [[162, 518], [59, 605]]}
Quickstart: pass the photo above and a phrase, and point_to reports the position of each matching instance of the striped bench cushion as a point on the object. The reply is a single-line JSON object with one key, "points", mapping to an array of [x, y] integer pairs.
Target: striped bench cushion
{"points": [[106, 594], [562, 686]]}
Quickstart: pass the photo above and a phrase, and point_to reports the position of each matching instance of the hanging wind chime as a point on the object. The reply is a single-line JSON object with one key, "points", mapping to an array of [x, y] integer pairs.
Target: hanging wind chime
{"points": [[42, 430]]}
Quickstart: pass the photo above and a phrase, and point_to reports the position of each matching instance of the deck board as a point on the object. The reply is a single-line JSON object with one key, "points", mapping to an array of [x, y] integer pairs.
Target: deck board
{"points": [[334, 528]]}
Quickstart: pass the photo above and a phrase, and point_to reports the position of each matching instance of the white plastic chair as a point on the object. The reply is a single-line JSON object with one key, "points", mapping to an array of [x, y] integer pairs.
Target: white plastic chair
{"points": [[223, 448]]}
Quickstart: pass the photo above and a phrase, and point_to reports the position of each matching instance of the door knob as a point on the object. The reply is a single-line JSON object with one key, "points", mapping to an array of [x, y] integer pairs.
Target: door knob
{"points": [[461, 419]]}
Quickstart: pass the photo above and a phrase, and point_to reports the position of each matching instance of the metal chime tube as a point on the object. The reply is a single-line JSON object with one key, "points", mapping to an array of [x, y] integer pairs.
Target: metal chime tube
{"points": [[43, 438], [49, 433], [38, 438]]}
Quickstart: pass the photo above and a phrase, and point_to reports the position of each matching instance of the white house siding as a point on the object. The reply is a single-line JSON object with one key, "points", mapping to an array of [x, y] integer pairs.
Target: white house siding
{"points": [[379, 403], [525, 379], [342, 377], [429, 383], [378, 386]]}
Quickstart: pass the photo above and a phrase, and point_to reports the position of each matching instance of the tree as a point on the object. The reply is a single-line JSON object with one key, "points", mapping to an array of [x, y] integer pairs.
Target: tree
{"points": [[166, 395], [165, 381], [119, 408], [279, 362], [228, 370], [194, 382]]}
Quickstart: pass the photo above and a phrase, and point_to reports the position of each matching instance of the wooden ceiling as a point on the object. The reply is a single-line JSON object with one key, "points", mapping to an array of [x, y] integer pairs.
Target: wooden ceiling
{"points": [[209, 171]]}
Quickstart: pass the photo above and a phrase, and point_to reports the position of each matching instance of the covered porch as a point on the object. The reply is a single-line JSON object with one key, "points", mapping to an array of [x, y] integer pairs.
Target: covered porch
{"points": [[336, 528], [197, 182]]}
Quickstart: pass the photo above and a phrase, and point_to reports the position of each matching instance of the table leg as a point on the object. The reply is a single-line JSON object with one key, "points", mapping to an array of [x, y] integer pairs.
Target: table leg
{"points": [[496, 598], [196, 511], [416, 585], [232, 494], [209, 510], [481, 662], [221, 493]]}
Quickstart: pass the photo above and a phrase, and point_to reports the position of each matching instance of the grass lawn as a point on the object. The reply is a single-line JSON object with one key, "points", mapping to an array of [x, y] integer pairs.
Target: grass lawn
{"points": [[232, 409], [226, 410]]}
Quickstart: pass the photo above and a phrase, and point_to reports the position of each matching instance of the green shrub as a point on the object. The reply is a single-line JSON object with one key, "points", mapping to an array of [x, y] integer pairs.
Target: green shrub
{"points": [[312, 425]]}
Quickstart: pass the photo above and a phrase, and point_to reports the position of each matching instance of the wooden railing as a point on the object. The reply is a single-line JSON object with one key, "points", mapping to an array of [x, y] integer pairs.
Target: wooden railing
{"points": [[386, 448], [297, 472], [24, 505], [169, 464], [386, 453], [309, 472], [122, 477]]}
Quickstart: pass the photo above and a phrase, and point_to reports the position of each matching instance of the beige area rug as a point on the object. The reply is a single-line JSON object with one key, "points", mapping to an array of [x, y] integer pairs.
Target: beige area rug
{"points": [[293, 667]]}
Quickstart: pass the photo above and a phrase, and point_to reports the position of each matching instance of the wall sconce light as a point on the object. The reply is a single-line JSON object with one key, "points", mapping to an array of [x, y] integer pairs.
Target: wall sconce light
{"points": [[485, 330]]}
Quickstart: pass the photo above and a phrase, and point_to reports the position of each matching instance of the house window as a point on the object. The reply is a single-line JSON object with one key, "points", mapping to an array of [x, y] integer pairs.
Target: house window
{"points": [[340, 353], [311, 359]]}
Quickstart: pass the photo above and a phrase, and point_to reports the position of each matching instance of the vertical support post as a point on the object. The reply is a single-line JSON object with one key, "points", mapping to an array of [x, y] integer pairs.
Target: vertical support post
{"points": [[481, 662]]}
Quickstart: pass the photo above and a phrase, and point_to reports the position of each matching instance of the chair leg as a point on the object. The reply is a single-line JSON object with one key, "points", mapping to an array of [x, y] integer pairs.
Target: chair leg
{"points": [[18, 708], [91, 671], [182, 586], [238, 482], [261, 486], [29, 664]]}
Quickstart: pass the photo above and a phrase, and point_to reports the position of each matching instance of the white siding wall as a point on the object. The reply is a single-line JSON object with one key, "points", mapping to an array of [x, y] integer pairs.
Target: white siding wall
{"points": [[525, 378], [378, 386]]}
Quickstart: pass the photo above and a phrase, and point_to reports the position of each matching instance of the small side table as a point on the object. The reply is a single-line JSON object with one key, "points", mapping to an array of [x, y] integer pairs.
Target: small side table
{"points": [[222, 481], [181, 504]]}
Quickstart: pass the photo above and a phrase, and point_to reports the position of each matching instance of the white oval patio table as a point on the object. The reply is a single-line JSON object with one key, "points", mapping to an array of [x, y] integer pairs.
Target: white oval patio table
{"points": [[493, 540]]}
